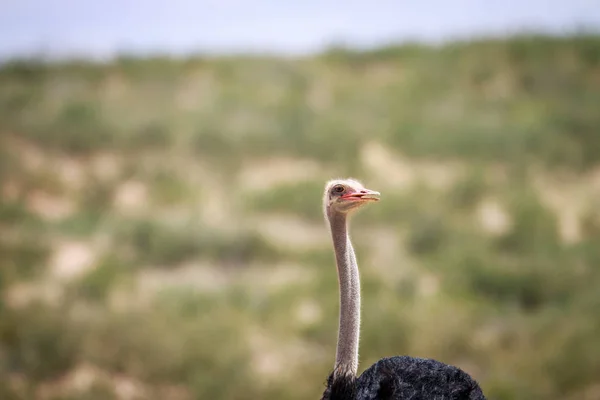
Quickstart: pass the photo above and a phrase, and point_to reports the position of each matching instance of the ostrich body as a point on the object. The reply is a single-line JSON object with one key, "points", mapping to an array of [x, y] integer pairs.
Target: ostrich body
{"points": [[394, 378]]}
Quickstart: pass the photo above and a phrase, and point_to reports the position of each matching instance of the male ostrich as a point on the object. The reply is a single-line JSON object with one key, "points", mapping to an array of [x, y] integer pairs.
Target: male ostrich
{"points": [[392, 378]]}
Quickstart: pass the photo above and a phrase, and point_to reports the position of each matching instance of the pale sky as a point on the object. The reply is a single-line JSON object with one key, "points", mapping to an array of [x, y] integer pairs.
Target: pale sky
{"points": [[103, 28]]}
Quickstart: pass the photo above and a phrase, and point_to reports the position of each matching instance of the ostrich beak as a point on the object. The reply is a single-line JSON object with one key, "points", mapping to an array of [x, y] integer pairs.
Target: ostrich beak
{"points": [[363, 195]]}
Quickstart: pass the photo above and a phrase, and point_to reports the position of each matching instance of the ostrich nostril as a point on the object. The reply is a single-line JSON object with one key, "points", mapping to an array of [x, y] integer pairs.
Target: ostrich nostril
{"points": [[363, 191]]}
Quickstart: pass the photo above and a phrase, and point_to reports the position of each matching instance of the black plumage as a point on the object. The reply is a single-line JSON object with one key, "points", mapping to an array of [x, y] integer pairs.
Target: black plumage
{"points": [[405, 378]]}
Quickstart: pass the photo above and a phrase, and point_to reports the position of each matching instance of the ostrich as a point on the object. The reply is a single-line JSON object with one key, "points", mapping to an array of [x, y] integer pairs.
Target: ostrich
{"points": [[394, 378]]}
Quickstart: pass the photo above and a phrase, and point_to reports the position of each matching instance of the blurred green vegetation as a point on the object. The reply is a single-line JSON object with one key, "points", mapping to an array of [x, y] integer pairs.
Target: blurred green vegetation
{"points": [[161, 230]]}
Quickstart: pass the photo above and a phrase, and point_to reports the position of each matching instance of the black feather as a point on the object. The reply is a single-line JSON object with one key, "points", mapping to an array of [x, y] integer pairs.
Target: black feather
{"points": [[405, 378], [340, 388]]}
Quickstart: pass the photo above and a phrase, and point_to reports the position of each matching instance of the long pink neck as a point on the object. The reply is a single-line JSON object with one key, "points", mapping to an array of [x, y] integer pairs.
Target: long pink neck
{"points": [[346, 361]]}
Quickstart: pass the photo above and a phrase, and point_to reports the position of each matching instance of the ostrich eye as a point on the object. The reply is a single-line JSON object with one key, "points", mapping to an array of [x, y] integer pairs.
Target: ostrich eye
{"points": [[338, 189]]}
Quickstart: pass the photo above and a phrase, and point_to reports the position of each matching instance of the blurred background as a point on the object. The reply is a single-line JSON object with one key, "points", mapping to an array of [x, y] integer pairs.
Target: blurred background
{"points": [[162, 167]]}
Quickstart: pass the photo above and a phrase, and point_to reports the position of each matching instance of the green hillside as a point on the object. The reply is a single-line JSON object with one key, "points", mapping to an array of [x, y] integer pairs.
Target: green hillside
{"points": [[161, 232]]}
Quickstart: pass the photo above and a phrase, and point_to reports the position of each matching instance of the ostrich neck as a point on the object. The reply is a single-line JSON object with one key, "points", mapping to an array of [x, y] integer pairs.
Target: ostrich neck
{"points": [[346, 361]]}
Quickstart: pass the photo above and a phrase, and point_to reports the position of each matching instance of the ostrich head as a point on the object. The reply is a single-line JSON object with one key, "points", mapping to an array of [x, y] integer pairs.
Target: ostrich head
{"points": [[345, 195]]}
